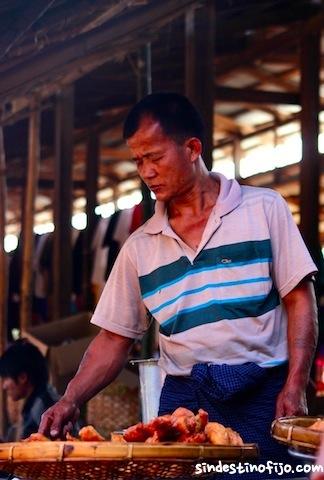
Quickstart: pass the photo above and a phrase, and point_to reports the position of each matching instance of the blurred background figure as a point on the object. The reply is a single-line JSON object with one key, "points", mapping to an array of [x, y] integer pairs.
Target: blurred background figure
{"points": [[25, 377]]}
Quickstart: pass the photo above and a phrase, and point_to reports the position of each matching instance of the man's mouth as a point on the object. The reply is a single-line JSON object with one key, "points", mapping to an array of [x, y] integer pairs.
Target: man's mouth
{"points": [[155, 187]]}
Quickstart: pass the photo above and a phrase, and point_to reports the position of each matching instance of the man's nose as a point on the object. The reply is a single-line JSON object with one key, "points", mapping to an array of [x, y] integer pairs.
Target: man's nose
{"points": [[147, 171]]}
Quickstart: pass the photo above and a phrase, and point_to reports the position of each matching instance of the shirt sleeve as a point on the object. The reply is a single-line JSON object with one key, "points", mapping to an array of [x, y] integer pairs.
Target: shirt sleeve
{"points": [[291, 259], [120, 308]]}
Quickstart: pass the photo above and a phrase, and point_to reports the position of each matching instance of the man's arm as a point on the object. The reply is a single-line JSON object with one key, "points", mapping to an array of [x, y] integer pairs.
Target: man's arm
{"points": [[301, 310], [101, 363]]}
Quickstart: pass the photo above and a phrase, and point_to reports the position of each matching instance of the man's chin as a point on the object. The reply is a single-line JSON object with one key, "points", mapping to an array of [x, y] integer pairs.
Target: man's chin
{"points": [[161, 196]]}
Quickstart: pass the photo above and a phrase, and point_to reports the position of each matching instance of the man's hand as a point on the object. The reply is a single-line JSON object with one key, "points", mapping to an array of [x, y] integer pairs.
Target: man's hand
{"points": [[291, 401], [301, 310], [59, 419], [106, 356]]}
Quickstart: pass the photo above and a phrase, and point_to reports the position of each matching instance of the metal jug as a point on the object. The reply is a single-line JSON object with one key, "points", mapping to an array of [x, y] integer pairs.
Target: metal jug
{"points": [[151, 382]]}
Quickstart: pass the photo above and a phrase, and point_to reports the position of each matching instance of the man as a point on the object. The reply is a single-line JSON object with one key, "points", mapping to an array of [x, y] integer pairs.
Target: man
{"points": [[25, 376], [225, 273]]}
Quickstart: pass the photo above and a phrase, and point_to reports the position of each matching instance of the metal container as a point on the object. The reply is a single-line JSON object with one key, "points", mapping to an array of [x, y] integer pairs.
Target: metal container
{"points": [[151, 382]]}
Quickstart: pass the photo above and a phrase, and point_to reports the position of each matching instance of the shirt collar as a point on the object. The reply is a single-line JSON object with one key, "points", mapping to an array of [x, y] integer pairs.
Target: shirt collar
{"points": [[230, 196]]}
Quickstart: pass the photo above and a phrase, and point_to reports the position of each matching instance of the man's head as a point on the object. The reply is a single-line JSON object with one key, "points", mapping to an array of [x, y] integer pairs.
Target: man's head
{"points": [[23, 369], [177, 117], [164, 133]]}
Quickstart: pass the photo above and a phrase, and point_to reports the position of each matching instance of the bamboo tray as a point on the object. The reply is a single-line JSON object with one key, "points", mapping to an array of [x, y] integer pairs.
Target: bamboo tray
{"points": [[107, 460], [293, 432]]}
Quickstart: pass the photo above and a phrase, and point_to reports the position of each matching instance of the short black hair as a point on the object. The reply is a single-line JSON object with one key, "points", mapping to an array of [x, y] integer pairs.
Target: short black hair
{"points": [[177, 116], [23, 357]]}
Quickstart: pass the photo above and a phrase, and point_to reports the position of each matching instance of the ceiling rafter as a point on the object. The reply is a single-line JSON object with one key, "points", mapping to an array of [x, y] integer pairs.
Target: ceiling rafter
{"points": [[44, 66], [32, 12]]}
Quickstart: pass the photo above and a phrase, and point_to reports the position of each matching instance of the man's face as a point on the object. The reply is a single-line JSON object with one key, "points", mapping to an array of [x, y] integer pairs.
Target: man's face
{"points": [[16, 389], [164, 165]]}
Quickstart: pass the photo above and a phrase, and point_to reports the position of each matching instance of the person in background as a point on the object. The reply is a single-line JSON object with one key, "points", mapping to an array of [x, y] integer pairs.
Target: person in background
{"points": [[24, 375]]}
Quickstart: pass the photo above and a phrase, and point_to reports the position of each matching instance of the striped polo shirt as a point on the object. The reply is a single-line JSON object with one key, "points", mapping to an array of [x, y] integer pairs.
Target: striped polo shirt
{"points": [[220, 303]]}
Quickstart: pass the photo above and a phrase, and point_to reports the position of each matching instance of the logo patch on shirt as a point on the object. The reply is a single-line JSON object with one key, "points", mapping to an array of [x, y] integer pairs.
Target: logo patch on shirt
{"points": [[226, 260]]}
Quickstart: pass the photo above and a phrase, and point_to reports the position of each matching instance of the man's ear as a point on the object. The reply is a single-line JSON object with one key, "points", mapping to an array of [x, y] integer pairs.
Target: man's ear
{"points": [[195, 147], [22, 378]]}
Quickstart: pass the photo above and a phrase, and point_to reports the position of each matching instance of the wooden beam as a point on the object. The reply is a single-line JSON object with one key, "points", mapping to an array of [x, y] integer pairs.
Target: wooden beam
{"points": [[261, 130], [106, 15], [200, 36], [263, 108], [43, 183], [45, 65], [190, 53], [227, 124], [3, 275], [62, 270], [28, 217], [258, 50], [32, 12], [229, 94], [310, 164], [264, 76]]}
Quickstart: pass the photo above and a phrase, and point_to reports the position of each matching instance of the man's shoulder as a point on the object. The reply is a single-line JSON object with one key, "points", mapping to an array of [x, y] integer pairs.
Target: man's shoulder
{"points": [[138, 235], [259, 193]]}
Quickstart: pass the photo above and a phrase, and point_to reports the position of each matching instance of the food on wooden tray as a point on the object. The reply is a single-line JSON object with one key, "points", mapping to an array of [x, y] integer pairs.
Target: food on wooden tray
{"points": [[217, 434], [90, 434], [318, 425], [86, 434], [36, 437], [183, 426], [117, 437], [71, 438]]}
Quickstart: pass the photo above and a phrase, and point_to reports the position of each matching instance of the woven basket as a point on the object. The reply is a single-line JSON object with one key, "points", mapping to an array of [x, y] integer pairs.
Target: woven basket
{"points": [[294, 431], [115, 408], [109, 461]]}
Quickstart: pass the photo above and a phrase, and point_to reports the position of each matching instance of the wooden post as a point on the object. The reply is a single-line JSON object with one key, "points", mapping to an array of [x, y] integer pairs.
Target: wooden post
{"points": [[148, 206], [62, 265], [3, 258], [237, 156], [144, 87], [310, 168], [190, 53], [3, 273], [199, 69], [28, 215], [91, 188]]}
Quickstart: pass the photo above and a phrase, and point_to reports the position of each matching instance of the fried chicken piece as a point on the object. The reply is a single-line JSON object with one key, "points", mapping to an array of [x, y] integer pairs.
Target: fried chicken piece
{"points": [[201, 420], [318, 426], [163, 428], [234, 438], [154, 439], [138, 433], [217, 434], [36, 437], [90, 434], [182, 412], [71, 438], [181, 424], [117, 438], [194, 438], [183, 421]]}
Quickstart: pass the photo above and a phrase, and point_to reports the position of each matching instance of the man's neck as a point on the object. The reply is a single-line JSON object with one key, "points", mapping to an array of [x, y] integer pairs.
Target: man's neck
{"points": [[199, 200]]}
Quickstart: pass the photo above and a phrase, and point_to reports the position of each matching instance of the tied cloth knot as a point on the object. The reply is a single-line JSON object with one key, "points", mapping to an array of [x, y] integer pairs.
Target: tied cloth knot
{"points": [[224, 382]]}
